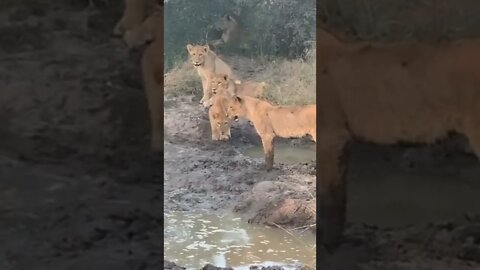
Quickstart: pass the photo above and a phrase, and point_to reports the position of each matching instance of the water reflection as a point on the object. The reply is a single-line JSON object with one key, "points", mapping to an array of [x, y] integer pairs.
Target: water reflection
{"points": [[284, 153], [193, 240]]}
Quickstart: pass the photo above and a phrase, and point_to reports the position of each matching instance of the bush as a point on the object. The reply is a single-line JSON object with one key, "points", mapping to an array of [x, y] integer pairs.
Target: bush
{"points": [[280, 28]]}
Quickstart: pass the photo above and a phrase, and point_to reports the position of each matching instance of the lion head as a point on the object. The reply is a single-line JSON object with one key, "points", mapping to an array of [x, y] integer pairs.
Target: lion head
{"points": [[219, 83], [219, 121], [198, 53], [226, 22], [235, 108]]}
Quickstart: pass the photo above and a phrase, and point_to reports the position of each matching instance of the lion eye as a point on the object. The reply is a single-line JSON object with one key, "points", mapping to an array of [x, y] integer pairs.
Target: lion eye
{"points": [[193, 54]]}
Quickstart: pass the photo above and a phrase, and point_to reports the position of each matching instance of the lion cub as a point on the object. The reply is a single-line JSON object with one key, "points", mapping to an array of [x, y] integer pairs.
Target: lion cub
{"points": [[273, 121], [207, 63]]}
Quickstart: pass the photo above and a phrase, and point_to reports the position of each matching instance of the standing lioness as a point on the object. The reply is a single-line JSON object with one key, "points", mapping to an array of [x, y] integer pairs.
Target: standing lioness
{"points": [[274, 121], [207, 63], [152, 72], [142, 22]]}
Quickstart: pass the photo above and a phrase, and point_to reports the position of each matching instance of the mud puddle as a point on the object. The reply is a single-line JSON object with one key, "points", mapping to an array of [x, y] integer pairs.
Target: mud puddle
{"points": [[195, 239], [284, 153]]}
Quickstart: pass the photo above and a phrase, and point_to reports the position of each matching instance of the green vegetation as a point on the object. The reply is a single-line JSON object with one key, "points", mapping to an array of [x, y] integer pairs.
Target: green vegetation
{"points": [[271, 28]]}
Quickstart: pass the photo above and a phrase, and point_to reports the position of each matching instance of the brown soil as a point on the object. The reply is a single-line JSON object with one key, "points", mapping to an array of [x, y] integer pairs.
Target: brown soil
{"points": [[202, 174]]}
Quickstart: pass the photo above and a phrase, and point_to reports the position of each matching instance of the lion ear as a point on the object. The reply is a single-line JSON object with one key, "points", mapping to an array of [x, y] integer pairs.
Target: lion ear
{"points": [[238, 99], [206, 48], [189, 47], [225, 77], [230, 18]]}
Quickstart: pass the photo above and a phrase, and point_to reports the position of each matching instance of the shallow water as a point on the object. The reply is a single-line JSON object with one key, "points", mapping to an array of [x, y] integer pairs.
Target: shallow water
{"points": [[193, 240], [284, 153]]}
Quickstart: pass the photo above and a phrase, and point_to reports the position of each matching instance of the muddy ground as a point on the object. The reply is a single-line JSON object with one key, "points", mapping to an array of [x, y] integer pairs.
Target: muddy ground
{"points": [[80, 190]]}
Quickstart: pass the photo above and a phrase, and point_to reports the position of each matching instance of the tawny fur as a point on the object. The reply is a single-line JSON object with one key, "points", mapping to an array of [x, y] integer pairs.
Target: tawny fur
{"points": [[231, 30], [219, 123], [152, 72], [145, 32], [134, 14], [222, 84], [387, 93], [207, 63], [274, 121], [142, 22]]}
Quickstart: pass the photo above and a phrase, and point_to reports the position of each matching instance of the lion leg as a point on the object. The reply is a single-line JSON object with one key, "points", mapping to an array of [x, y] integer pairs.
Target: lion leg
{"points": [[206, 93], [214, 129], [267, 142], [332, 153], [153, 80]]}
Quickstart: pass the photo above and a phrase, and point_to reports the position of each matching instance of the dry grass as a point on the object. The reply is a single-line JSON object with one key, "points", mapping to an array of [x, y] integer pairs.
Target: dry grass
{"points": [[289, 82], [182, 80]]}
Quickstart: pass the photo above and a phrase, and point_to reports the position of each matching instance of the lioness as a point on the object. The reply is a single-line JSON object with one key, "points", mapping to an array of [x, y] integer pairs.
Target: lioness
{"points": [[273, 121], [217, 113], [222, 84], [207, 63], [230, 29], [142, 22], [387, 93], [152, 72]]}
